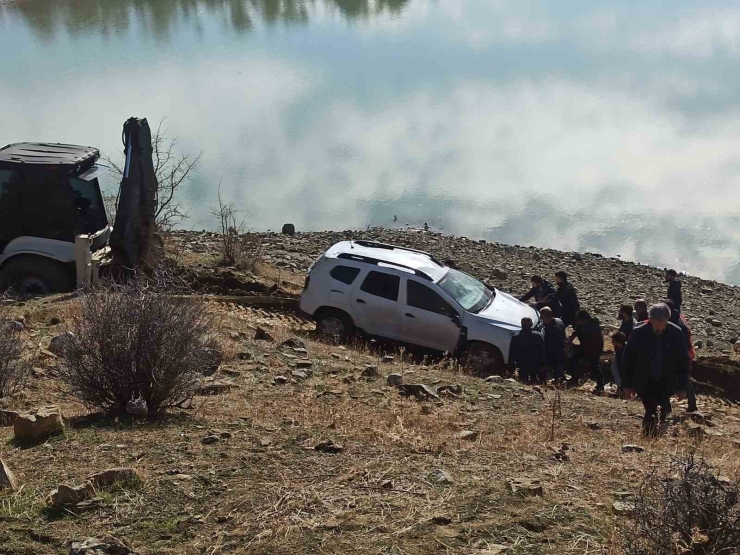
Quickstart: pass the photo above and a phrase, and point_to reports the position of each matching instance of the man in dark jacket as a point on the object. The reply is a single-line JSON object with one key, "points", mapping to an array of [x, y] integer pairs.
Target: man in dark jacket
{"points": [[568, 298], [543, 293], [655, 364], [527, 352], [589, 349], [628, 322], [554, 333], [674, 289]]}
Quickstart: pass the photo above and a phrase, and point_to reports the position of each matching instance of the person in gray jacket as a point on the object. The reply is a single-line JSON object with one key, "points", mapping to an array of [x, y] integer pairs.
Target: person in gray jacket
{"points": [[655, 365]]}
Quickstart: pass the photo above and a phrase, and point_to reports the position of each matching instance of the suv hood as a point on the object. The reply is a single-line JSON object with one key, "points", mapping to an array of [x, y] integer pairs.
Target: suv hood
{"points": [[508, 311]]}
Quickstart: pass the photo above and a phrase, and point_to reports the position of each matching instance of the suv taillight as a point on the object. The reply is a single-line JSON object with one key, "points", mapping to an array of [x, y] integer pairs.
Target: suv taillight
{"points": [[308, 278]]}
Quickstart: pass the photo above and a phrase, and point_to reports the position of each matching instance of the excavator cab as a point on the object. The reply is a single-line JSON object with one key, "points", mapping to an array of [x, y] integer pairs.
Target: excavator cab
{"points": [[49, 195]]}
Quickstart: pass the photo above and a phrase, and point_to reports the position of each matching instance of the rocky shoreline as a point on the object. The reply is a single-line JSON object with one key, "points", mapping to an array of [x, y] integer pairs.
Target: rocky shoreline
{"points": [[711, 308]]}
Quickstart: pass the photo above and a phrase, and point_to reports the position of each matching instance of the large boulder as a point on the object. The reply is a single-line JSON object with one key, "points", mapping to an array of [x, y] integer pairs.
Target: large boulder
{"points": [[288, 229], [38, 424], [7, 480], [96, 546]]}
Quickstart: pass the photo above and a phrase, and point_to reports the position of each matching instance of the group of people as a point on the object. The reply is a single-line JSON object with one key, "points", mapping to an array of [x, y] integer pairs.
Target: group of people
{"points": [[653, 351]]}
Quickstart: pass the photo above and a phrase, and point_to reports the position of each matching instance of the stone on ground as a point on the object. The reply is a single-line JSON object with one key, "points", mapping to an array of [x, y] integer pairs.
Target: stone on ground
{"points": [[328, 446], [65, 495], [7, 479], [469, 435], [623, 508], [418, 390], [370, 372], [38, 424], [632, 449], [525, 487], [394, 379], [96, 546], [439, 476], [262, 334], [59, 343], [113, 476], [288, 229]]}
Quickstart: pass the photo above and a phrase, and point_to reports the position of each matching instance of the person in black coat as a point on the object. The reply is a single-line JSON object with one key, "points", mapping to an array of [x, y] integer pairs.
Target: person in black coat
{"points": [[568, 298], [641, 310], [589, 349], [527, 352], [554, 334], [655, 365], [674, 289], [628, 322], [543, 293]]}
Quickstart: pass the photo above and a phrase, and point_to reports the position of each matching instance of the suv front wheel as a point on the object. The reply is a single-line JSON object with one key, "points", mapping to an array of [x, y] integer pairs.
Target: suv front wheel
{"points": [[483, 359], [333, 325], [27, 275]]}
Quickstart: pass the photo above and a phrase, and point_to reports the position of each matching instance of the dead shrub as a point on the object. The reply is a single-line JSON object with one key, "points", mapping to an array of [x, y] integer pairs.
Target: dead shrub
{"points": [[134, 343], [689, 512], [14, 369]]}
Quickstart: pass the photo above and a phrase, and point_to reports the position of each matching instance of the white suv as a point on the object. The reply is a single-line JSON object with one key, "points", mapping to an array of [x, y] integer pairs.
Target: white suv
{"points": [[409, 296]]}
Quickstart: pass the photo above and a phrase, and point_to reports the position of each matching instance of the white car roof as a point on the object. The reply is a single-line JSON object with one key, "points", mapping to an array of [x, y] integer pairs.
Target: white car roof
{"points": [[390, 254]]}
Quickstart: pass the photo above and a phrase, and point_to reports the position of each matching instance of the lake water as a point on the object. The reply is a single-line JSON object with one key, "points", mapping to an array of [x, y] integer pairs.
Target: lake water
{"points": [[607, 126]]}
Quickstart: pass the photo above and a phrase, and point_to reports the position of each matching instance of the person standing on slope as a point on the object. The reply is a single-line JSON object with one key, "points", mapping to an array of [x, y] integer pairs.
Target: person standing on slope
{"points": [[674, 289], [655, 365], [568, 298]]}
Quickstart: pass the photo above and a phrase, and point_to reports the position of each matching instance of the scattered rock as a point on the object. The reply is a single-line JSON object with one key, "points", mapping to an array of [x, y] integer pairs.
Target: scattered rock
{"points": [[245, 355], [632, 449], [698, 344], [38, 424], [450, 389], [493, 549], [299, 374], [387, 359], [58, 343], [439, 476], [494, 378], [418, 390], [329, 446], [577, 256], [263, 335], [349, 379], [213, 358], [593, 425], [7, 417], [623, 508], [394, 379], [441, 520], [113, 476], [303, 364], [288, 229], [370, 372], [7, 479], [293, 343], [525, 487], [210, 439], [95, 546], [65, 495], [280, 380], [469, 435], [55, 321]]}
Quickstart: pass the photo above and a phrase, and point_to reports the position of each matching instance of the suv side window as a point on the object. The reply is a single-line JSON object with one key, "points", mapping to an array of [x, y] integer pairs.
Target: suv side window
{"points": [[381, 285], [421, 296], [345, 274]]}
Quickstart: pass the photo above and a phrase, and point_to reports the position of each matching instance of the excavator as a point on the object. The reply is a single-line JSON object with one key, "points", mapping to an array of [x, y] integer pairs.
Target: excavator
{"points": [[55, 233]]}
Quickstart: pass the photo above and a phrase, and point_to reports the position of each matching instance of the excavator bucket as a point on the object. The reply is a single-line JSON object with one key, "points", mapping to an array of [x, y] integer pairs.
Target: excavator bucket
{"points": [[134, 241]]}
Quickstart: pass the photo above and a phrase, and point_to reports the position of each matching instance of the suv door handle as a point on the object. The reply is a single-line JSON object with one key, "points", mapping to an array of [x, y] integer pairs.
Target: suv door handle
{"points": [[409, 315], [361, 301]]}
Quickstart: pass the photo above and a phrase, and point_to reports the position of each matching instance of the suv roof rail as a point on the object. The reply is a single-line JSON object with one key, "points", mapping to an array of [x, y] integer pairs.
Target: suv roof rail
{"points": [[378, 245], [378, 262]]}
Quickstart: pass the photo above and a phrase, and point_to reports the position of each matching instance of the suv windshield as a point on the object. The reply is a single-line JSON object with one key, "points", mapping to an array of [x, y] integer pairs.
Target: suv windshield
{"points": [[469, 293]]}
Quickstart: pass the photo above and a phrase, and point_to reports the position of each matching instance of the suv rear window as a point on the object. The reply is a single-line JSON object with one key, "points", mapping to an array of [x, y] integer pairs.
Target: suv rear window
{"points": [[421, 296], [345, 274], [382, 285]]}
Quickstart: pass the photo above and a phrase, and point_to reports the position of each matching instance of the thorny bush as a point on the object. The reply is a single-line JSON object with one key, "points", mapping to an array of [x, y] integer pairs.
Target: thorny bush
{"points": [[131, 343], [14, 368], [690, 512]]}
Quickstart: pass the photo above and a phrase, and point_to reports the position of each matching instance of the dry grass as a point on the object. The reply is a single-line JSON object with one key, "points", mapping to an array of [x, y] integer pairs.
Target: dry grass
{"points": [[266, 490]]}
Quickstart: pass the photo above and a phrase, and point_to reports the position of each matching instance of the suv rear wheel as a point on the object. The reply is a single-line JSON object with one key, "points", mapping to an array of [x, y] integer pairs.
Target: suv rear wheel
{"points": [[29, 275], [333, 325], [483, 359]]}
